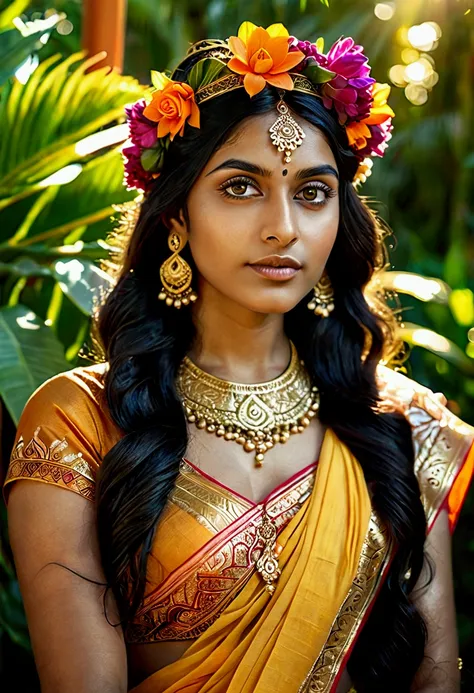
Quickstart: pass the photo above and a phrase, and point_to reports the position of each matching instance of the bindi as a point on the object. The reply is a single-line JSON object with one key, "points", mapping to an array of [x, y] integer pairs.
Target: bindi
{"points": [[284, 172]]}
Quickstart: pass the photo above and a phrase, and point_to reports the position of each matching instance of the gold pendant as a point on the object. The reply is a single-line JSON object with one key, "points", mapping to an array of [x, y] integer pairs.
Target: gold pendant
{"points": [[267, 564], [285, 133]]}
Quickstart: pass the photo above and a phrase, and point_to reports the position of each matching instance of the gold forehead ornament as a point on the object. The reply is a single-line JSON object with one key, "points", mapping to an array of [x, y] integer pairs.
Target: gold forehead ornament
{"points": [[285, 133]]}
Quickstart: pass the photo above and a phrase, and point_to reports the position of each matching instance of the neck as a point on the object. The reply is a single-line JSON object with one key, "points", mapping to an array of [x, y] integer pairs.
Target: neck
{"points": [[235, 343]]}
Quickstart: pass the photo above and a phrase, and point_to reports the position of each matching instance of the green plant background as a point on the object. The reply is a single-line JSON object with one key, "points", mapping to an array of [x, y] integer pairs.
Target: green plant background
{"points": [[52, 235]]}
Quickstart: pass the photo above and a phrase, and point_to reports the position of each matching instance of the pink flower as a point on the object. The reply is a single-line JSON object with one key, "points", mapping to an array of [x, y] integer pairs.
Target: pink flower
{"points": [[135, 175], [377, 144], [143, 131], [349, 92]]}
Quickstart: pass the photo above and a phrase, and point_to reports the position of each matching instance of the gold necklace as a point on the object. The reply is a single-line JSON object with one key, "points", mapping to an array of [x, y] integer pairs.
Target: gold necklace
{"points": [[254, 416]]}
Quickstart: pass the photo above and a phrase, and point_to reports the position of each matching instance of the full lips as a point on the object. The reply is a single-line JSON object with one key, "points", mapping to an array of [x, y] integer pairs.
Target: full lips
{"points": [[275, 273]]}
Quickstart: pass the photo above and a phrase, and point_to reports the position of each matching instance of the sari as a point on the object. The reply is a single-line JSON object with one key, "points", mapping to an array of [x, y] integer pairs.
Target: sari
{"points": [[203, 579]]}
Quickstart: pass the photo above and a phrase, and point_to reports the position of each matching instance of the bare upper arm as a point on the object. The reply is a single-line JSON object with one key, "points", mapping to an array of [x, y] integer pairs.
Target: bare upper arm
{"points": [[439, 671], [76, 650]]}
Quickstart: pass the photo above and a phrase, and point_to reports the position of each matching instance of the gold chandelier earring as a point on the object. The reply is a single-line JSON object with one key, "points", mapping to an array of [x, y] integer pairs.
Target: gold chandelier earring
{"points": [[176, 276], [322, 302]]}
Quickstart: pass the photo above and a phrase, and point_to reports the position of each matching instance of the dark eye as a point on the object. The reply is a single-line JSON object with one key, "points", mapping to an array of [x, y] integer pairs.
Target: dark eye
{"points": [[316, 194], [238, 188]]}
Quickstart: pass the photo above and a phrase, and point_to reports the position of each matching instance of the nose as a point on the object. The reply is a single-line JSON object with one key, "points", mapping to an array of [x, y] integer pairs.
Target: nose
{"points": [[280, 227]]}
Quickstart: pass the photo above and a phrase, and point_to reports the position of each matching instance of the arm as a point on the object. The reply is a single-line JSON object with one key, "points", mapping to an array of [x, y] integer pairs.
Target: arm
{"points": [[75, 648], [439, 671]]}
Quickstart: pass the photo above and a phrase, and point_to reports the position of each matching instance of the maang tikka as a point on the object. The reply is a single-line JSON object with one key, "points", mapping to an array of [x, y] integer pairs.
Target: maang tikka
{"points": [[176, 276], [285, 133]]}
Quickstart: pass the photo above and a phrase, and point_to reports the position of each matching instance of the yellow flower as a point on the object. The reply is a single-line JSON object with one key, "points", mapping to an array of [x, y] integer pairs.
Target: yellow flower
{"points": [[359, 132], [380, 110], [263, 56]]}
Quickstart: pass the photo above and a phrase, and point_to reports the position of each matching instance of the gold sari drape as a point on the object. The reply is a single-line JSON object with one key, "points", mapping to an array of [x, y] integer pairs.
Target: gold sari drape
{"points": [[202, 580], [267, 644]]}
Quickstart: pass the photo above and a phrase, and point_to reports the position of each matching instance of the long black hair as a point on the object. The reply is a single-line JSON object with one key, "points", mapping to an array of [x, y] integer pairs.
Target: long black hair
{"points": [[144, 342]]}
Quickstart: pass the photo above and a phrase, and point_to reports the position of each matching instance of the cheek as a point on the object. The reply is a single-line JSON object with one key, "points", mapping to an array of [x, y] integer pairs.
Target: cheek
{"points": [[320, 233], [217, 234], [211, 240]]}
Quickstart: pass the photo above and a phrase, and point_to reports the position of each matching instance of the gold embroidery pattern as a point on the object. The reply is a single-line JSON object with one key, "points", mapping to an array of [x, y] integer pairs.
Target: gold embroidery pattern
{"points": [[214, 508], [185, 605], [52, 464], [441, 440], [441, 443], [374, 558]]}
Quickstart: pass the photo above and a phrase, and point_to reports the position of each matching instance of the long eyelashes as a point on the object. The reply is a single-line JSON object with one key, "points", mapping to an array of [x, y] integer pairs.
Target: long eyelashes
{"points": [[244, 182], [240, 181]]}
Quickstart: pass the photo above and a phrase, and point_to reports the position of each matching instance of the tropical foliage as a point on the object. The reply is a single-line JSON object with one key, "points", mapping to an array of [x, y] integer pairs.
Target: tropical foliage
{"points": [[61, 175]]}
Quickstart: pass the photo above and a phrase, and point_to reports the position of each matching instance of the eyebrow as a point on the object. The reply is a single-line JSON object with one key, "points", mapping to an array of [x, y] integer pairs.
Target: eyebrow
{"points": [[325, 169]]}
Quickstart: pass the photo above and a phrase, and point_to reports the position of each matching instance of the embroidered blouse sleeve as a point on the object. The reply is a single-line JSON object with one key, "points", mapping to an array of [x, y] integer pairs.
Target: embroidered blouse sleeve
{"points": [[63, 433], [443, 444]]}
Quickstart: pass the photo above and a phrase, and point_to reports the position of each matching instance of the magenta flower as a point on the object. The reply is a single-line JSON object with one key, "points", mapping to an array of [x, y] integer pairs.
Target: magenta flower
{"points": [[143, 132], [349, 92], [135, 175], [377, 144]]}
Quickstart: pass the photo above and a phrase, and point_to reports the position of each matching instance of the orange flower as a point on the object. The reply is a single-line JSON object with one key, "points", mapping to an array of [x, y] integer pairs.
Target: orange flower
{"points": [[262, 55], [172, 106], [359, 132]]}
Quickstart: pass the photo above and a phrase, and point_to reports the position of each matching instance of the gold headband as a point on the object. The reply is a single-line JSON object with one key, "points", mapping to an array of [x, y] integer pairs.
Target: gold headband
{"points": [[285, 133]]}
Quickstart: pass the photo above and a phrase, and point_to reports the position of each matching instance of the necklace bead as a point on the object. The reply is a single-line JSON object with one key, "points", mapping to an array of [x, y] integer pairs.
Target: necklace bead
{"points": [[257, 417]]}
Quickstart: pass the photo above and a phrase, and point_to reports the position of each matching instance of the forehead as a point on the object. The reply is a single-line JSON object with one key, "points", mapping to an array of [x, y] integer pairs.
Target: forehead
{"points": [[251, 141]]}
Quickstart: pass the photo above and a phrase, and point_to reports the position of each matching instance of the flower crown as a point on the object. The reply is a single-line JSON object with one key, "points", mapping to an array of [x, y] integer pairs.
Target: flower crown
{"points": [[251, 60]]}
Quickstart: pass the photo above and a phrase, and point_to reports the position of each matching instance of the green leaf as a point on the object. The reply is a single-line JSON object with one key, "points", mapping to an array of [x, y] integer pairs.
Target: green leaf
{"points": [[55, 109], [461, 302], [420, 336], [24, 267], [16, 46], [13, 10], [29, 355], [82, 282], [316, 73], [151, 159], [15, 49], [204, 72], [159, 80], [416, 285]]}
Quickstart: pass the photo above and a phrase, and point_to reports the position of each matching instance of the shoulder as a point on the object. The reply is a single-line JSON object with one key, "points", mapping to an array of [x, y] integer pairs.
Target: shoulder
{"points": [[443, 443], [64, 431], [83, 384]]}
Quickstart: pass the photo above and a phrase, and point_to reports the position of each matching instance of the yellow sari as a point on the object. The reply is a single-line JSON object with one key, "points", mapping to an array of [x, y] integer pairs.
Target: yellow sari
{"points": [[203, 585]]}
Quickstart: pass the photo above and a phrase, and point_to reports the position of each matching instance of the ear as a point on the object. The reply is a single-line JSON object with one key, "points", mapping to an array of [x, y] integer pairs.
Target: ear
{"points": [[177, 223]]}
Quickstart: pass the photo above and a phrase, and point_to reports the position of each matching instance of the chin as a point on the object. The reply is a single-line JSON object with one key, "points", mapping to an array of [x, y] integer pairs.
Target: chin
{"points": [[279, 305]]}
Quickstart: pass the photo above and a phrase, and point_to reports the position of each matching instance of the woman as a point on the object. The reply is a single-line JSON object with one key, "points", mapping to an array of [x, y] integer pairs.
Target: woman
{"points": [[246, 473]]}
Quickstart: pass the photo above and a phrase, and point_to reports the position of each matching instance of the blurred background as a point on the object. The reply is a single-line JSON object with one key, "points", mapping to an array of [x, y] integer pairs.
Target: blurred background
{"points": [[61, 128]]}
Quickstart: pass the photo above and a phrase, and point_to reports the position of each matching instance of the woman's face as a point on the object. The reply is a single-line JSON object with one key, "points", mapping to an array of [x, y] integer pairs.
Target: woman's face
{"points": [[248, 205]]}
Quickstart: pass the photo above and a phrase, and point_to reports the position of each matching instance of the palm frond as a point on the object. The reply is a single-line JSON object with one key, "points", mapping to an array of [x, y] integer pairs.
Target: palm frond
{"points": [[61, 104]]}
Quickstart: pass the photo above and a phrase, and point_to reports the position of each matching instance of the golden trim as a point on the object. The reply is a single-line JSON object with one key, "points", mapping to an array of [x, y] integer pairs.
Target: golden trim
{"points": [[374, 559], [220, 86], [213, 507], [233, 81], [52, 464], [192, 597]]}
